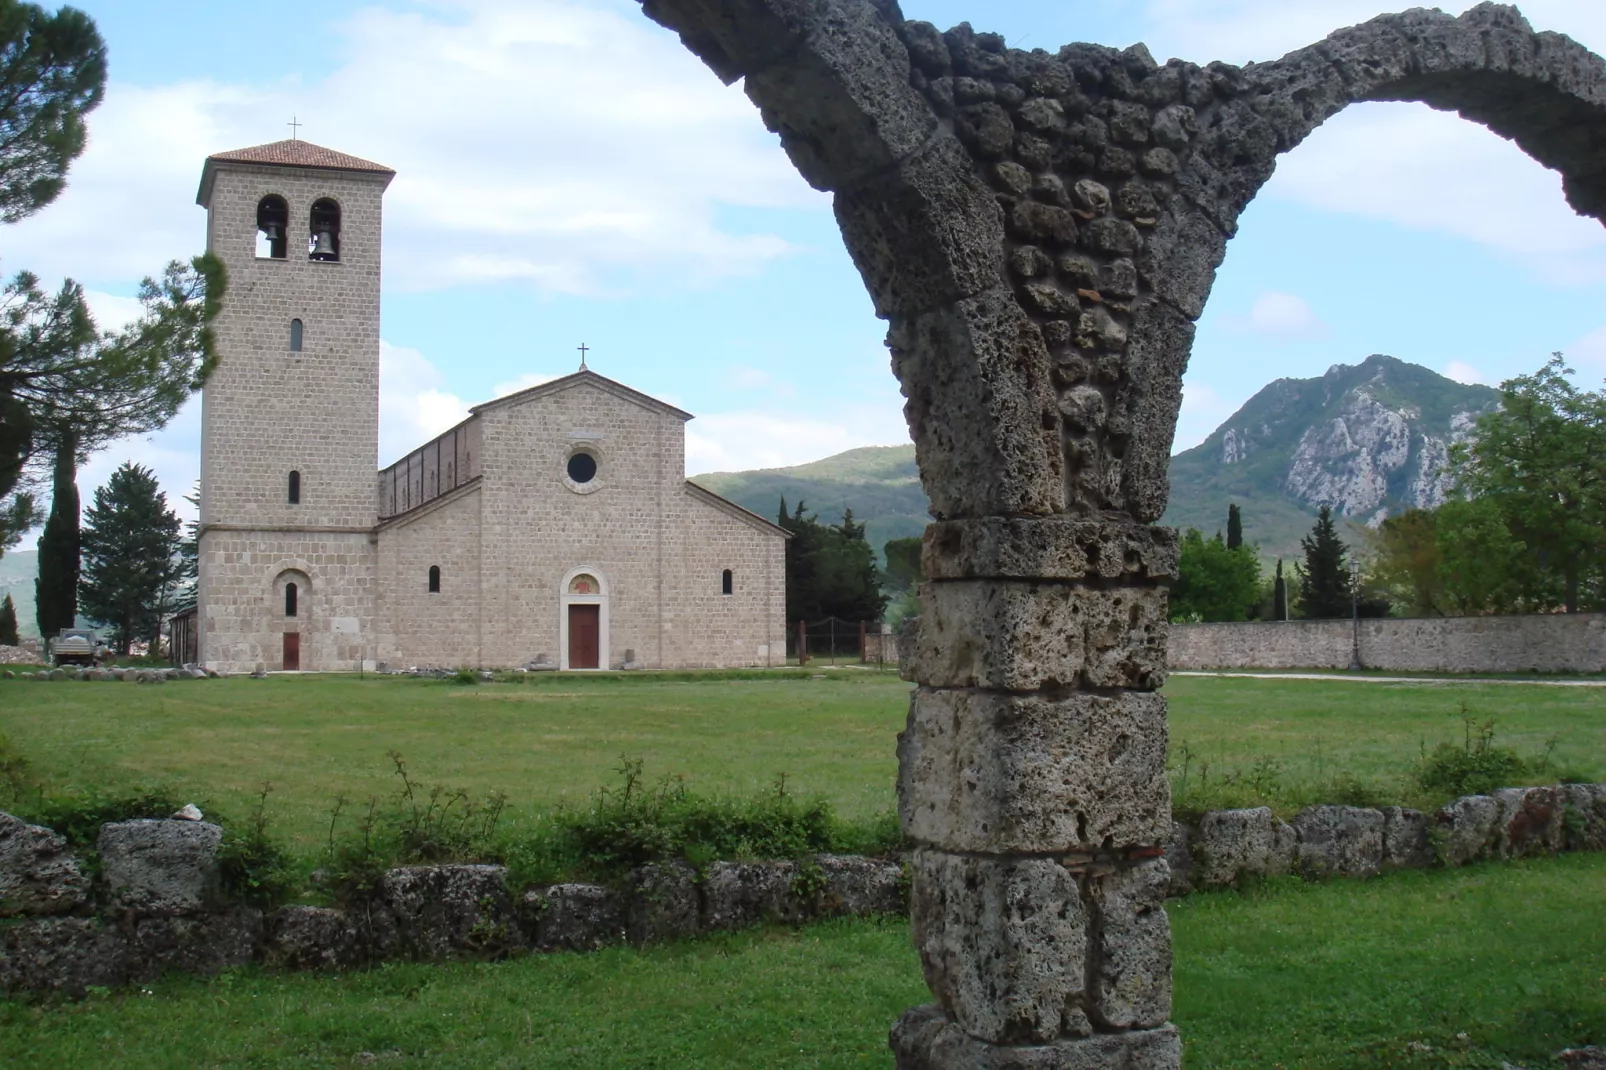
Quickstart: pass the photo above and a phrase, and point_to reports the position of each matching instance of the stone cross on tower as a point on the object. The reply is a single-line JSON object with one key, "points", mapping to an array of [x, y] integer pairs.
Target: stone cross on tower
{"points": [[1041, 230]]}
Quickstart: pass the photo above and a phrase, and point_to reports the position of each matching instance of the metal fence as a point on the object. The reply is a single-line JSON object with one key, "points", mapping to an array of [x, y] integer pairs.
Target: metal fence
{"points": [[835, 641]]}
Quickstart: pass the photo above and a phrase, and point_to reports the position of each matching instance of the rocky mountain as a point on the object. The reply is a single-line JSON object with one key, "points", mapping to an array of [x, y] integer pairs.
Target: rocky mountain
{"points": [[1369, 440]]}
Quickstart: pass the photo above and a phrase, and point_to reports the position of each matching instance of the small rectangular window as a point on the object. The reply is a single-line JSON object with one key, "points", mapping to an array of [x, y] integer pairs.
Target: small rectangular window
{"points": [[295, 488], [726, 582]]}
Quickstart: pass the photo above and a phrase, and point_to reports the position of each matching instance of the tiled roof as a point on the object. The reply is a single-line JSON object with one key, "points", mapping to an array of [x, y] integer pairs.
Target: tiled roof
{"points": [[295, 153], [292, 153]]}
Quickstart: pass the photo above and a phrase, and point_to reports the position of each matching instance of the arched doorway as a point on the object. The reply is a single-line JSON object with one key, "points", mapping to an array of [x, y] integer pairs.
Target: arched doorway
{"points": [[583, 620]]}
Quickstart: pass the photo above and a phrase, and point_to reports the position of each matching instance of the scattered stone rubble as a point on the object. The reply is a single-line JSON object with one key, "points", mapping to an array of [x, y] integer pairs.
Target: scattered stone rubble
{"points": [[1041, 230], [154, 906]]}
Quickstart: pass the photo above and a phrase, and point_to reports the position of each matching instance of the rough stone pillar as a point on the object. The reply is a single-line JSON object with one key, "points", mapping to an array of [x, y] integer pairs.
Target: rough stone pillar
{"points": [[1041, 231]]}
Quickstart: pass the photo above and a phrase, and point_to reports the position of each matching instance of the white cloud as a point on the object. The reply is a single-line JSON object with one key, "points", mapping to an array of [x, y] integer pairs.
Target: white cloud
{"points": [[1588, 355], [414, 406], [752, 438], [1465, 373], [1203, 410], [523, 382], [1425, 170], [573, 146], [111, 311], [1280, 315], [1239, 31]]}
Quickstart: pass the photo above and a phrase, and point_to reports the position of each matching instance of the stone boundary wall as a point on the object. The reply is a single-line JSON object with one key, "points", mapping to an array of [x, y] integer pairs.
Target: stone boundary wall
{"points": [[1563, 643], [152, 907]]}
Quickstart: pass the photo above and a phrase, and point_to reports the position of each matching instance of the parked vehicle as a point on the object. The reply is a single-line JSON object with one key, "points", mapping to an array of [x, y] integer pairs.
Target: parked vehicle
{"points": [[76, 646]]}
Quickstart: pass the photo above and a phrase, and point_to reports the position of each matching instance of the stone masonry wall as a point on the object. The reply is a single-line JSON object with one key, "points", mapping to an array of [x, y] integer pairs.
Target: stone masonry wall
{"points": [[242, 576], [420, 628], [267, 411], [154, 903], [1567, 643]]}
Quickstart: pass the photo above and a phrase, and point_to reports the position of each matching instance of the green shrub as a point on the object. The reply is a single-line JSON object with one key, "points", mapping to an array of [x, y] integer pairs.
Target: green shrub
{"points": [[635, 824], [79, 817], [255, 869], [1477, 766]]}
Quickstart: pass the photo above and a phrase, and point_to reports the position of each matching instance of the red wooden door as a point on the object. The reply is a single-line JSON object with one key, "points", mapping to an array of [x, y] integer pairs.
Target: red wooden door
{"points": [[292, 651], [585, 630]]}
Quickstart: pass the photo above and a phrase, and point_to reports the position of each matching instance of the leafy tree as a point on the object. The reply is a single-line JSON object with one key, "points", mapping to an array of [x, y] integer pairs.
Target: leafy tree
{"points": [[1214, 583], [1541, 461], [1406, 562], [55, 587], [8, 622], [1483, 568], [830, 571], [131, 542], [85, 388], [1235, 527], [1324, 581], [52, 73], [1279, 595], [903, 572]]}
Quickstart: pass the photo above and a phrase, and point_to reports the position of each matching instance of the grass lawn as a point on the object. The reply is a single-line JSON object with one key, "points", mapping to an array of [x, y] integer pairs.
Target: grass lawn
{"points": [[558, 738], [1464, 968]]}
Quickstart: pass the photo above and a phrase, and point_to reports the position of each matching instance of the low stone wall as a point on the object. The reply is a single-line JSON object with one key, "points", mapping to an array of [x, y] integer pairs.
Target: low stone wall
{"points": [[1548, 642], [153, 904]]}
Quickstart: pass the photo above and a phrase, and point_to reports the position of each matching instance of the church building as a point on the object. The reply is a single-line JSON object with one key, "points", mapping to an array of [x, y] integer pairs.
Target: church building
{"points": [[553, 526]]}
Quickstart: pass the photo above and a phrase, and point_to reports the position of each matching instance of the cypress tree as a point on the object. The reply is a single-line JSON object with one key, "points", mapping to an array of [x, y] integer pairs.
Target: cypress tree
{"points": [[8, 623], [131, 542], [56, 588], [1324, 582], [1279, 595], [1235, 527]]}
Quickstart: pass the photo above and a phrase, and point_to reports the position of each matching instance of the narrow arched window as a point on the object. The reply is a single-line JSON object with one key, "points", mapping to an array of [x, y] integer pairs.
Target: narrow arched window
{"points": [[295, 336], [289, 599], [323, 240], [434, 579], [295, 488], [725, 582], [273, 223]]}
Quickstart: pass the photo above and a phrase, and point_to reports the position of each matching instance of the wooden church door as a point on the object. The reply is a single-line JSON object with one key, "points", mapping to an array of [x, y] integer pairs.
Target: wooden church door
{"points": [[584, 636], [292, 652]]}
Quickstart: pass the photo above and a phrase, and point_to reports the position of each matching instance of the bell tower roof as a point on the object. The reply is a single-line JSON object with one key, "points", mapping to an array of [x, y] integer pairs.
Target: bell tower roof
{"points": [[291, 152]]}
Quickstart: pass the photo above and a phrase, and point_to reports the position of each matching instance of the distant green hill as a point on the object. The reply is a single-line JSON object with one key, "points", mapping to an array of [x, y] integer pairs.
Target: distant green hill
{"points": [[879, 483], [1368, 439], [17, 571]]}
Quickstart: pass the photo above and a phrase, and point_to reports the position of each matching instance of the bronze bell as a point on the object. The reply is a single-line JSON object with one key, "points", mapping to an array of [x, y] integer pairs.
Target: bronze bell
{"points": [[323, 247]]}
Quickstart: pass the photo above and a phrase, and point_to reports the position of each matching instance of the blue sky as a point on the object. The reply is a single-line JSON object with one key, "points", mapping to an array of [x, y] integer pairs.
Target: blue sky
{"points": [[567, 173]]}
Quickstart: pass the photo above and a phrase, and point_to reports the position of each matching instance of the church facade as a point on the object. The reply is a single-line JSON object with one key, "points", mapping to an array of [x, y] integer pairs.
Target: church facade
{"points": [[553, 526]]}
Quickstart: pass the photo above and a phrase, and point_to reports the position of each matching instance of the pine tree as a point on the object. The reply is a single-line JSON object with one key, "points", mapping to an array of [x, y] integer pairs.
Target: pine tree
{"points": [[1324, 581], [56, 588], [1235, 527], [131, 543], [8, 623], [1279, 595]]}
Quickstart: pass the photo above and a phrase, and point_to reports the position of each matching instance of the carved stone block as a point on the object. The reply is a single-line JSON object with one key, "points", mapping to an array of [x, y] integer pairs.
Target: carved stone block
{"points": [[982, 771], [1021, 636], [1003, 943]]}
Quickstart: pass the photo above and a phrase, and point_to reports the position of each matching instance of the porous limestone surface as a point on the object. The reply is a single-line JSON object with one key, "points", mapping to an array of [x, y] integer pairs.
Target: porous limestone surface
{"points": [[159, 866], [38, 873]]}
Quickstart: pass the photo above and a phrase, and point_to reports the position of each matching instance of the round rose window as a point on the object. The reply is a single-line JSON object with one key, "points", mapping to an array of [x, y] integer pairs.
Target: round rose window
{"points": [[582, 467]]}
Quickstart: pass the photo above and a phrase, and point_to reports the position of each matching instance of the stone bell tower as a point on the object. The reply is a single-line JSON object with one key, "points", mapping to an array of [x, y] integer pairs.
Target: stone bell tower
{"points": [[290, 417]]}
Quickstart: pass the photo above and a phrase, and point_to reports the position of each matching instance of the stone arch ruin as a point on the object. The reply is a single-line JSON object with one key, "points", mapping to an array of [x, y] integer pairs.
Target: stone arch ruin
{"points": [[1041, 231]]}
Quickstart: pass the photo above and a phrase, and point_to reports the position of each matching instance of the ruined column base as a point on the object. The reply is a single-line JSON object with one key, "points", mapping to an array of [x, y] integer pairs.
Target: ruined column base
{"points": [[924, 1039]]}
